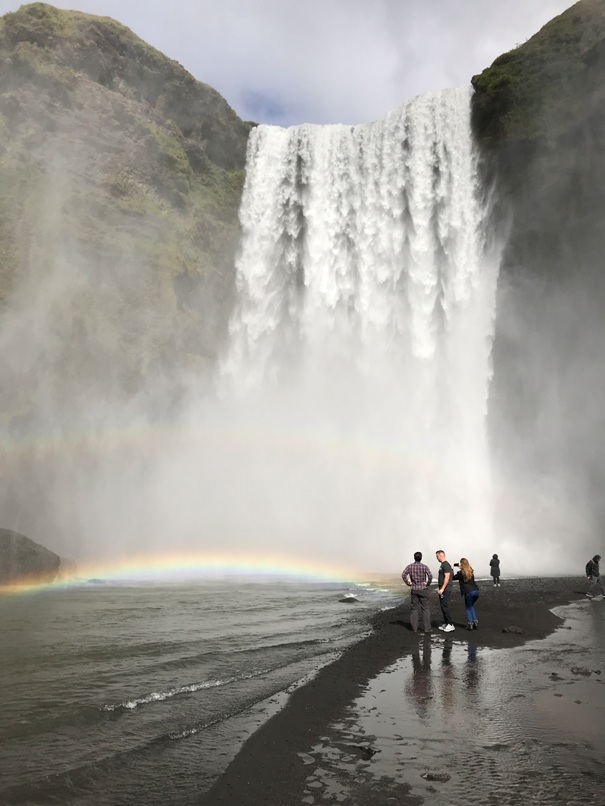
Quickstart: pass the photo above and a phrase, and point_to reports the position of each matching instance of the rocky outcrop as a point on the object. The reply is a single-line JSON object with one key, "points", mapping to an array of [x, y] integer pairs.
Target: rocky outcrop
{"points": [[22, 559]]}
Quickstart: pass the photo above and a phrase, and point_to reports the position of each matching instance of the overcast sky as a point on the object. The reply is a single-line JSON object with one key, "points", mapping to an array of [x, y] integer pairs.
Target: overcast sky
{"points": [[326, 61]]}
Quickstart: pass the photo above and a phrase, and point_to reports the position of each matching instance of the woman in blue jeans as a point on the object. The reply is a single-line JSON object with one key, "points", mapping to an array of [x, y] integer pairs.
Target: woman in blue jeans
{"points": [[470, 590]]}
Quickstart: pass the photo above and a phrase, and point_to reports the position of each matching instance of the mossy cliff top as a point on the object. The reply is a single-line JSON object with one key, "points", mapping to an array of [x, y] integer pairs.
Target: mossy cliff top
{"points": [[538, 118], [534, 92]]}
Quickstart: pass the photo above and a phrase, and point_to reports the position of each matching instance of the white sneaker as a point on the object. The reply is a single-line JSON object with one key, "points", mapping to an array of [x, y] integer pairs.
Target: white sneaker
{"points": [[448, 628], [442, 626]]}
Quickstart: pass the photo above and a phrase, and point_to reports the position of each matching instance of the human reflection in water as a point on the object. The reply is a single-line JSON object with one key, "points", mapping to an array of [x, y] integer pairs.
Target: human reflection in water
{"points": [[419, 687], [472, 670], [447, 680], [446, 657]]}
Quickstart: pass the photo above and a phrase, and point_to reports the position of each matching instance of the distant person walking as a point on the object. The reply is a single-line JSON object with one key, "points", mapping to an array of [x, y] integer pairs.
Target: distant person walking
{"points": [[444, 589], [594, 576], [494, 569], [418, 577], [470, 590]]}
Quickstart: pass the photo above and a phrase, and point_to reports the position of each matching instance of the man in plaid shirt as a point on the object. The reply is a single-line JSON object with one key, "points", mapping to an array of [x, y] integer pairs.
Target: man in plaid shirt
{"points": [[418, 577]]}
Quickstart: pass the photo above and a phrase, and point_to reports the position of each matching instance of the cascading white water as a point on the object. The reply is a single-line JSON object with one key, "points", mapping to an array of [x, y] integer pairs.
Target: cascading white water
{"points": [[363, 329]]}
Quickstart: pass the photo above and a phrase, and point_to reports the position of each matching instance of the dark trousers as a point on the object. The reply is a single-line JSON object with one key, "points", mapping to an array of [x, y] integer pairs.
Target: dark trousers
{"points": [[444, 601], [420, 603], [596, 582]]}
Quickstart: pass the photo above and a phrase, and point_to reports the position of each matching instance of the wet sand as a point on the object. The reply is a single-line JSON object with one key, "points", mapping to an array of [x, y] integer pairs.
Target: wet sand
{"points": [[406, 718]]}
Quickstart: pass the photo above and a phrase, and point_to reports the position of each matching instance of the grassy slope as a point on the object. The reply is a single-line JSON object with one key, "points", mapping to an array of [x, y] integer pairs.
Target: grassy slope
{"points": [[120, 180]]}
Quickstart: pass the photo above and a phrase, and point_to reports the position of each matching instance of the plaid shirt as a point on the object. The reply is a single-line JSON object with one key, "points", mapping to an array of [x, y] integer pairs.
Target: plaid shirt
{"points": [[417, 576]]}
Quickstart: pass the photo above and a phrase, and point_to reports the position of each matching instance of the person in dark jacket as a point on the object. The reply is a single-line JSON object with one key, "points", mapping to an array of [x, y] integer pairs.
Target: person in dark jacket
{"points": [[494, 569], [594, 576], [470, 590]]}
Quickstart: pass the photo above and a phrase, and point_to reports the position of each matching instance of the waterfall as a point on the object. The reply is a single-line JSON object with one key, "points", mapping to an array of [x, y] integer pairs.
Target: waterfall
{"points": [[363, 327]]}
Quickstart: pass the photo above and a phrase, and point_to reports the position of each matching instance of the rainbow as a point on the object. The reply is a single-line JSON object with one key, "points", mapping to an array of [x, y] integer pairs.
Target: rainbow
{"points": [[183, 567], [159, 436]]}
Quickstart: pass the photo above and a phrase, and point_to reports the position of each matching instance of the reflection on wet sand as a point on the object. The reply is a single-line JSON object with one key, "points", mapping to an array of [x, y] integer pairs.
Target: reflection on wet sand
{"points": [[472, 670], [447, 679], [452, 710], [419, 687]]}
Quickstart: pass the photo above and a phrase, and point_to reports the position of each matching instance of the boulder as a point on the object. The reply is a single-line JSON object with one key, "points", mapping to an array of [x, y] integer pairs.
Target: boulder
{"points": [[22, 559]]}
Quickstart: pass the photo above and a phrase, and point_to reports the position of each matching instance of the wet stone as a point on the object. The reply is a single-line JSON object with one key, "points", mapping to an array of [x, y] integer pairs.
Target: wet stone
{"points": [[437, 776]]}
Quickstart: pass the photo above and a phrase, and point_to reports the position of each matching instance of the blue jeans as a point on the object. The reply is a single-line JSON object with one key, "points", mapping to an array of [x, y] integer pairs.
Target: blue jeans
{"points": [[469, 602]]}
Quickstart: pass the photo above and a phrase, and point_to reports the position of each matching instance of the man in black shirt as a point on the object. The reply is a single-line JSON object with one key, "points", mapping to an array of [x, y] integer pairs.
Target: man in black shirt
{"points": [[444, 588]]}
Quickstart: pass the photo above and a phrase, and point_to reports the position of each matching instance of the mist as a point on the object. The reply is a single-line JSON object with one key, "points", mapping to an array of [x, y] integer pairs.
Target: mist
{"points": [[547, 418], [344, 425]]}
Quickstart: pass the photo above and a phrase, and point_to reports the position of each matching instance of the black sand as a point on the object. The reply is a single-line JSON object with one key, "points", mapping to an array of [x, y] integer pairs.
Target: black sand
{"points": [[270, 769]]}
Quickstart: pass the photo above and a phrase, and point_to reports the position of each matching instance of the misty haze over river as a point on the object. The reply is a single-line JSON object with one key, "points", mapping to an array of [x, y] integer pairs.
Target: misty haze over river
{"points": [[348, 423]]}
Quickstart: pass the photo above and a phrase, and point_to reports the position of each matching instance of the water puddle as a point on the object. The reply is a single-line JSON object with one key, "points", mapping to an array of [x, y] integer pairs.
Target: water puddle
{"points": [[453, 722]]}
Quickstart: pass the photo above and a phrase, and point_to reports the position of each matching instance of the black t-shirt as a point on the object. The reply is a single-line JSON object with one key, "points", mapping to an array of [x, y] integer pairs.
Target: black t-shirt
{"points": [[443, 570]]}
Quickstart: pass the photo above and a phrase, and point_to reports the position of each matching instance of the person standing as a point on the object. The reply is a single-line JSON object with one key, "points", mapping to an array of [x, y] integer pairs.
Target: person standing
{"points": [[594, 576], [418, 577], [470, 590], [494, 569], [444, 589]]}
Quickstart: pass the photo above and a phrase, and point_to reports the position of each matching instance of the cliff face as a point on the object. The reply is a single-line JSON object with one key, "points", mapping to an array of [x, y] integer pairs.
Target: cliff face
{"points": [[120, 180], [539, 116]]}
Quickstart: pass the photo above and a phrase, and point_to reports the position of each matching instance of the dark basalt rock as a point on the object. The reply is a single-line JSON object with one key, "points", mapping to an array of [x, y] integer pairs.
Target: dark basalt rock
{"points": [[22, 559]]}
